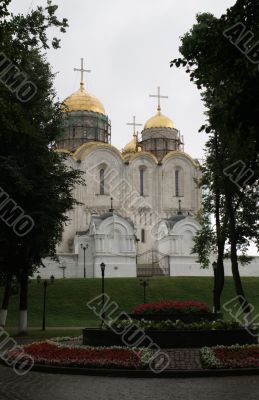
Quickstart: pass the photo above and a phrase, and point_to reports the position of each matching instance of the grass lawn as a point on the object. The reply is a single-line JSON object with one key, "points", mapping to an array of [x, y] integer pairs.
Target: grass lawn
{"points": [[67, 298]]}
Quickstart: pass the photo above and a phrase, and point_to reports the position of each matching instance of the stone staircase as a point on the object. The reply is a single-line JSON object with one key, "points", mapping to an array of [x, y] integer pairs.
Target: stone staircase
{"points": [[150, 270]]}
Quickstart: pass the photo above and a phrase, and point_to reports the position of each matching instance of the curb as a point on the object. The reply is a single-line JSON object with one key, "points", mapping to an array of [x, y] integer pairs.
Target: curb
{"points": [[123, 373]]}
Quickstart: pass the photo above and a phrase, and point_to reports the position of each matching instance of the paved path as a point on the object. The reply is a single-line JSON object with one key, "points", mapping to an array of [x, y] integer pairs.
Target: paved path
{"points": [[184, 359], [38, 386]]}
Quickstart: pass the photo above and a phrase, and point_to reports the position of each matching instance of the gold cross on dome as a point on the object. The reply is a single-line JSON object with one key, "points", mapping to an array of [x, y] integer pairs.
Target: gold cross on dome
{"points": [[134, 124], [159, 97], [82, 70]]}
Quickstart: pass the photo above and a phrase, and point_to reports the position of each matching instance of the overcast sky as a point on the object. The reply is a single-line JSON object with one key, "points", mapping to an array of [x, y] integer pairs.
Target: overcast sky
{"points": [[128, 45]]}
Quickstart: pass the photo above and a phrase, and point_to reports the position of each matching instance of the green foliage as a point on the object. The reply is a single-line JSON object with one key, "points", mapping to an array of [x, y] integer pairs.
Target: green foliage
{"points": [[229, 83], [32, 173], [178, 325], [208, 358], [67, 298], [205, 240]]}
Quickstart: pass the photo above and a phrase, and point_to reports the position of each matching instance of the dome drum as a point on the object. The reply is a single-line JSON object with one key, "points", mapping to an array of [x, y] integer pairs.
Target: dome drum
{"points": [[160, 136], [160, 146], [161, 141], [83, 126], [160, 133]]}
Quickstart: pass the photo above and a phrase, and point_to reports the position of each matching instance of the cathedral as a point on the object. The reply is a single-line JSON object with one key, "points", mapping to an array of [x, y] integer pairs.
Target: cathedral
{"points": [[137, 208]]}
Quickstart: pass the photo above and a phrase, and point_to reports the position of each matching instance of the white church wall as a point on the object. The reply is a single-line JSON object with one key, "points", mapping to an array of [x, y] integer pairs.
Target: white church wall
{"points": [[67, 267], [187, 187], [187, 266], [116, 266], [126, 267], [112, 164]]}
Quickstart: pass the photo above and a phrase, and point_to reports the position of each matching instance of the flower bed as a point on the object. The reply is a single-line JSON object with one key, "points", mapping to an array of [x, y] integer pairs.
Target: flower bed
{"points": [[177, 325], [54, 353], [231, 357], [186, 311], [172, 307]]}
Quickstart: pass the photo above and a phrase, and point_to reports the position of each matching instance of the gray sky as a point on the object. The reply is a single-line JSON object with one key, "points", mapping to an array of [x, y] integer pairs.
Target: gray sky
{"points": [[128, 45]]}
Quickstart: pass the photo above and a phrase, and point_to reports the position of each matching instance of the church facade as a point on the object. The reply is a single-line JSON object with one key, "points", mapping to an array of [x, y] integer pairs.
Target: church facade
{"points": [[137, 208]]}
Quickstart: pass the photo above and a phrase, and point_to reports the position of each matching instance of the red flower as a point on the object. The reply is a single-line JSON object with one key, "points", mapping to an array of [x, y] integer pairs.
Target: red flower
{"points": [[52, 353], [172, 307], [238, 357]]}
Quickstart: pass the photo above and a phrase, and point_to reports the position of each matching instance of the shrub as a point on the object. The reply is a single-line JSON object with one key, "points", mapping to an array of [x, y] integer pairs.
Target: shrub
{"points": [[178, 325]]}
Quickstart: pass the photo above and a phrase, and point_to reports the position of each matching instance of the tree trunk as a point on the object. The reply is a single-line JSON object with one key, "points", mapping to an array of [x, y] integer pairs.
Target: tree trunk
{"points": [[220, 273], [234, 263], [220, 277], [23, 323], [6, 298]]}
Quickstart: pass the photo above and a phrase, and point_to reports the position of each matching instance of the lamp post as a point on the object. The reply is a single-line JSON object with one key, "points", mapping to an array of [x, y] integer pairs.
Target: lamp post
{"points": [[84, 247], [145, 283], [137, 242], [215, 267], [103, 272], [63, 267], [45, 285]]}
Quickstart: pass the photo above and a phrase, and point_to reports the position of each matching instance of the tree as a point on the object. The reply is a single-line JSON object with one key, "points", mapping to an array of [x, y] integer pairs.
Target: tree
{"points": [[222, 60], [38, 185]]}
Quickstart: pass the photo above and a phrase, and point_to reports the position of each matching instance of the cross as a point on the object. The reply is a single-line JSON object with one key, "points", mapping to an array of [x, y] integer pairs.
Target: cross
{"points": [[82, 70], [159, 97], [134, 124]]}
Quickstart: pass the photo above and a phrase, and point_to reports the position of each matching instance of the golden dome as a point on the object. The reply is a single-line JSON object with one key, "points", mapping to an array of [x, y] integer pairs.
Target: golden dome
{"points": [[159, 121], [83, 101], [132, 146]]}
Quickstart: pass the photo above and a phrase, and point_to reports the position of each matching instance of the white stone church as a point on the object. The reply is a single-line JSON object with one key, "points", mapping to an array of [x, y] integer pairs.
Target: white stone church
{"points": [[138, 207]]}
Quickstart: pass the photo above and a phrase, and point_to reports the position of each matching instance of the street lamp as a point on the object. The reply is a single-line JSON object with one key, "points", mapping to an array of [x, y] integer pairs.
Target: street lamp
{"points": [[145, 283], [63, 267], [215, 267], [103, 272], [45, 285], [137, 242], [84, 247]]}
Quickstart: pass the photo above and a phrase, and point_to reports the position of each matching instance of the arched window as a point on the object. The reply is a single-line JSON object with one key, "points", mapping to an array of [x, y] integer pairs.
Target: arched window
{"points": [[179, 182], [141, 181], [102, 181], [143, 236], [176, 180]]}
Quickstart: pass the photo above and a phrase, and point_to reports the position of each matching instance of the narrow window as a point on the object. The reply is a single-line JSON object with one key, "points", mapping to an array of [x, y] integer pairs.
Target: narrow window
{"points": [[141, 175], [177, 193], [102, 181], [143, 236]]}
